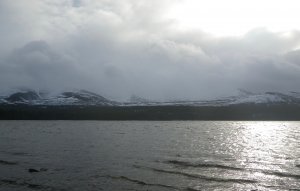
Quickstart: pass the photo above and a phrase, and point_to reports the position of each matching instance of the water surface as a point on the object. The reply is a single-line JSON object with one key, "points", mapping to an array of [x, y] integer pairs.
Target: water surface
{"points": [[139, 155]]}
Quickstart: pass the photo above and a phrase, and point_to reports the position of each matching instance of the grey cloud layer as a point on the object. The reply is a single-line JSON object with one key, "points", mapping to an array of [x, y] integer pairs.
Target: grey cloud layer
{"points": [[124, 47]]}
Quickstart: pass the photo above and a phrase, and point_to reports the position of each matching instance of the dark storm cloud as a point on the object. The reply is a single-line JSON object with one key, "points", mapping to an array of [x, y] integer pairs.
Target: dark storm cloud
{"points": [[120, 48]]}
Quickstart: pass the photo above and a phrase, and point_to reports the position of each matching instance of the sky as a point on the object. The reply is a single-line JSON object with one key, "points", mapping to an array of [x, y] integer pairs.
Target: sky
{"points": [[158, 49]]}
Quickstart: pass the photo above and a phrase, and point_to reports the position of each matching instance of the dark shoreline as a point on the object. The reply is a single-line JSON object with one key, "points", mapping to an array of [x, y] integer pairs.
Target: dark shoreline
{"points": [[235, 112]]}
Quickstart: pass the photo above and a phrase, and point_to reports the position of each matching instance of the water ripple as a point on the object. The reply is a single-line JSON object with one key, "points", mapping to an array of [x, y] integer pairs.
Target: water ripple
{"points": [[198, 176], [202, 165], [139, 182]]}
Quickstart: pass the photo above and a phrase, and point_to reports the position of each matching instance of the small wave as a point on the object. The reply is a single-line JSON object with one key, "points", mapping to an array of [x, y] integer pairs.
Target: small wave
{"points": [[277, 187], [281, 174], [192, 189], [16, 153], [8, 162], [139, 182], [24, 184], [202, 165], [198, 176]]}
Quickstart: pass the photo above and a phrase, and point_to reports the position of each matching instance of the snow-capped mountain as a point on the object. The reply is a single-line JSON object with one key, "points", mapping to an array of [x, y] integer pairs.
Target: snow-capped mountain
{"points": [[243, 98], [82, 97], [267, 98], [31, 97]]}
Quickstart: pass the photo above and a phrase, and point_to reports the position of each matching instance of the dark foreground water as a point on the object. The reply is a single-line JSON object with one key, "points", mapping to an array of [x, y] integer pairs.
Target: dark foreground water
{"points": [[97, 155]]}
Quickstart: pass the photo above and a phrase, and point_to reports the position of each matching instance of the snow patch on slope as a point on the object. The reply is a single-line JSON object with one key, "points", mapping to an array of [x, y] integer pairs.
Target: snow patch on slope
{"points": [[258, 99]]}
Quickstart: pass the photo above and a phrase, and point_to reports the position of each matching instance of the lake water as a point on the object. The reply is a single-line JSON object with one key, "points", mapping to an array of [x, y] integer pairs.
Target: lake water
{"points": [[141, 155]]}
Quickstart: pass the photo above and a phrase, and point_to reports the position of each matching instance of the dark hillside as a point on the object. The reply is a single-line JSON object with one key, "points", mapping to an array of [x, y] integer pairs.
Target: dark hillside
{"points": [[235, 112]]}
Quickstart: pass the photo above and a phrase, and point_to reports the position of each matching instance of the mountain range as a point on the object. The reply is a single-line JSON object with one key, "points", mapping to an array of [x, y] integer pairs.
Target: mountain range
{"points": [[87, 98]]}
